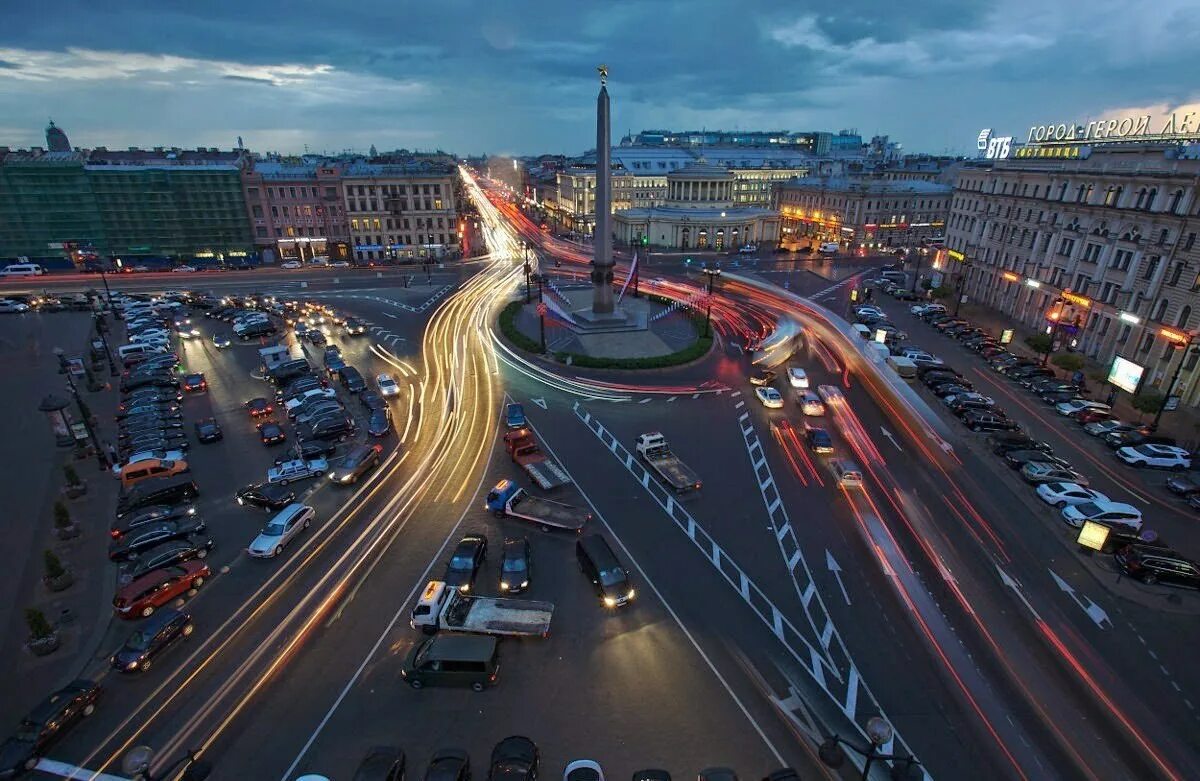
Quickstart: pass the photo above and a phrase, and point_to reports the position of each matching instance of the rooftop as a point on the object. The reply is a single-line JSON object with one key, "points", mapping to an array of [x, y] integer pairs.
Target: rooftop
{"points": [[868, 185]]}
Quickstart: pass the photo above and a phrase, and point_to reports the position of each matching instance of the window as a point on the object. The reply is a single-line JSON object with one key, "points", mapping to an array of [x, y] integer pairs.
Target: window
{"points": [[1176, 273], [1110, 196], [261, 232], [274, 211], [1141, 198], [1176, 198], [257, 210], [1067, 246], [251, 192], [1162, 237], [1151, 266], [1185, 314], [292, 192], [1189, 241], [1159, 311], [1150, 196], [1091, 253], [1147, 340], [1121, 260]]}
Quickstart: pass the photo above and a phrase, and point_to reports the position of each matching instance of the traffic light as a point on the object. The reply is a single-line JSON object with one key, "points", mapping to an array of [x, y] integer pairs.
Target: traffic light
{"points": [[688, 261], [645, 240]]}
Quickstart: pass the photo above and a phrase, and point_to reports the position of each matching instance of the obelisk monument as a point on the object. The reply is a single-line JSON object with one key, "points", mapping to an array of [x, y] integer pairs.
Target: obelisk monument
{"points": [[602, 257]]}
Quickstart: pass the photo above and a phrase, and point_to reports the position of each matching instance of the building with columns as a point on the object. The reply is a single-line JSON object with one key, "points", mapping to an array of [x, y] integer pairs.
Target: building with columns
{"points": [[698, 212], [1096, 243]]}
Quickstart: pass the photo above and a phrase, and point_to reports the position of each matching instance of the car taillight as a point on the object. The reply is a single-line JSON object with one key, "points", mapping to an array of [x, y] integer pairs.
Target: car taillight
{"points": [[114, 533]]}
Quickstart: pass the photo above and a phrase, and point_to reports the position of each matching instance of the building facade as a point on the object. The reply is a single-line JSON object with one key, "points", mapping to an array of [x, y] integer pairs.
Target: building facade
{"points": [[1095, 243], [137, 206], [863, 212], [698, 212], [401, 211], [296, 209]]}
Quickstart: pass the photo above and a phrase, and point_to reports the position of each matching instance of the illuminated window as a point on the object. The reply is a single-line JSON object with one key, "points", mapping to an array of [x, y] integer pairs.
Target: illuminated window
{"points": [[377, 224], [437, 203]]}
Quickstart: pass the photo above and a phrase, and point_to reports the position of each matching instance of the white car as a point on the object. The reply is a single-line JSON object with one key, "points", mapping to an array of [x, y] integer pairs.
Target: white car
{"points": [[975, 400], [13, 306], [280, 530], [921, 309], [584, 769], [145, 455], [184, 269], [770, 398], [297, 469], [914, 354], [1069, 408], [1107, 513], [291, 264], [298, 401], [1065, 494], [1161, 456], [797, 377], [387, 386], [319, 262], [340, 264]]}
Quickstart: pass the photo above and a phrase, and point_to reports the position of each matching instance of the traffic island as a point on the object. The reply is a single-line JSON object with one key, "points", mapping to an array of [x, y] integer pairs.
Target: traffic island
{"points": [[668, 335]]}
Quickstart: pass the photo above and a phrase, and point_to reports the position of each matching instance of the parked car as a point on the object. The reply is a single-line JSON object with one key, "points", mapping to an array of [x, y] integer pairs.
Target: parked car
{"points": [[448, 764], [297, 469], [1073, 407], [1102, 428], [465, 562], [1157, 456], [388, 387], [380, 423], [983, 420], [131, 544], [1151, 564], [515, 758], [159, 633], [1183, 486], [1138, 436], [382, 763], [43, 726], [152, 514], [141, 597], [1062, 495], [266, 496], [516, 565], [1037, 472], [169, 554], [1108, 513], [1019, 458]]}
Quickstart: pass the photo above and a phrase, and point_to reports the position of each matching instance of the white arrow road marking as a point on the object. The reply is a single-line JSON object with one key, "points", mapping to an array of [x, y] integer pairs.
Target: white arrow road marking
{"points": [[892, 437], [1094, 611], [540, 402], [836, 570], [1016, 587], [389, 314]]}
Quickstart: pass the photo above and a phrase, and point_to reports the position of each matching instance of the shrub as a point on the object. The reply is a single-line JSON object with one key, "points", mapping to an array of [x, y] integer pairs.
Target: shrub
{"points": [[1039, 343], [71, 475], [62, 516], [1070, 362], [941, 291], [39, 627], [508, 327], [54, 567], [1148, 401]]}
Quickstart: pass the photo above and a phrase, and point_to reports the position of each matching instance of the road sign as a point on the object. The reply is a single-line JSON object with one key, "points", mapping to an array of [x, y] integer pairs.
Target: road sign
{"points": [[542, 309]]}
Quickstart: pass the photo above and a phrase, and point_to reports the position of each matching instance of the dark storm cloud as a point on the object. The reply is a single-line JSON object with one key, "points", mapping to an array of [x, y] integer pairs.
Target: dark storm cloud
{"points": [[520, 76]]}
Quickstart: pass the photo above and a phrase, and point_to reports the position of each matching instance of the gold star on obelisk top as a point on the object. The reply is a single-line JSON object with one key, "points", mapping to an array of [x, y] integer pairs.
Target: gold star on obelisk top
{"points": [[603, 74]]}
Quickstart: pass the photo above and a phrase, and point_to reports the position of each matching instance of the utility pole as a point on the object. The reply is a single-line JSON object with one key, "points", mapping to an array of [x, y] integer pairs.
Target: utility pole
{"points": [[712, 274], [84, 413], [1174, 379]]}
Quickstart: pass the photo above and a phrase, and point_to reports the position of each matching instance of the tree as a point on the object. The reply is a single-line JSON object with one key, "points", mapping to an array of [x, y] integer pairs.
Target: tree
{"points": [[71, 475], [39, 627], [62, 516], [1040, 343], [54, 567], [1148, 401], [941, 291], [1069, 362]]}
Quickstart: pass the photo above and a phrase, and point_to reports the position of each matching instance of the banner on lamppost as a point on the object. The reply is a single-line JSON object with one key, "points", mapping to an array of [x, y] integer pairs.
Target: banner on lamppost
{"points": [[1171, 404]]}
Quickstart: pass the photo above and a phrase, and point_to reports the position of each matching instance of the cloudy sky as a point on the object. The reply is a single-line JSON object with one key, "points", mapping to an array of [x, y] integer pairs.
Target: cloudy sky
{"points": [[519, 77]]}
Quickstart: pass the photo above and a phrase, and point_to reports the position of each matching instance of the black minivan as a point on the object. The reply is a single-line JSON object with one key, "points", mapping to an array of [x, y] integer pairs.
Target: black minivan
{"points": [[176, 489], [601, 567], [156, 634]]}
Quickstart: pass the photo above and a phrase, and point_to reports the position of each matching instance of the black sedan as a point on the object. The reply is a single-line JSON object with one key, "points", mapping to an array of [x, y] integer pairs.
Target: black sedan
{"points": [[271, 433], [195, 383], [449, 764], [209, 430], [160, 409], [1019, 458], [372, 401], [382, 763], [516, 565], [1004, 448], [258, 407], [45, 724], [464, 564], [308, 449], [268, 496], [156, 513], [514, 759], [169, 553], [130, 545], [380, 423]]}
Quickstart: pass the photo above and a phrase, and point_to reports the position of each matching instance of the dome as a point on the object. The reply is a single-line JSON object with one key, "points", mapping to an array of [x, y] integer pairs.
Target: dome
{"points": [[56, 139]]}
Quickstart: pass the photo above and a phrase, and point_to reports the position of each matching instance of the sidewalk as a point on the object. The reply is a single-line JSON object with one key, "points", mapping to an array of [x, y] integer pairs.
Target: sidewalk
{"points": [[1183, 424]]}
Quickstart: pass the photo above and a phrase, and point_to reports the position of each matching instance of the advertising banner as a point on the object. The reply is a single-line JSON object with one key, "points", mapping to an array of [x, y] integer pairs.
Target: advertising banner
{"points": [[1125, 375]]}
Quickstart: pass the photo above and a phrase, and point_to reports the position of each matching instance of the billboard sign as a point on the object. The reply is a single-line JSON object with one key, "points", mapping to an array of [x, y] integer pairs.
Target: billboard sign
{"points": [[994, 147], [1126, 375]]}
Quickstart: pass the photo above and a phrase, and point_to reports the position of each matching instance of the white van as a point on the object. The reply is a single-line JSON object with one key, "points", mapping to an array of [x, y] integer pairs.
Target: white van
{"points": [[132, 353], [23, 270], [829, 248], [846, 472]]}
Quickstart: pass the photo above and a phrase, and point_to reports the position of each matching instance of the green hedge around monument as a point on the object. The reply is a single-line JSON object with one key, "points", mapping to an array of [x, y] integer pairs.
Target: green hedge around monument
{"points": [[688, 354]]}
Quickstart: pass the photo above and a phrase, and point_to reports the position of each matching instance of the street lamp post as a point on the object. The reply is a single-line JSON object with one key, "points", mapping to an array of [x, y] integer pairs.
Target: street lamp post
{"points": [[525, 250], [84, 415], [916, 272], [879, 732], [102, 329], [1174, 379], [1056, 318], [712, 274]]}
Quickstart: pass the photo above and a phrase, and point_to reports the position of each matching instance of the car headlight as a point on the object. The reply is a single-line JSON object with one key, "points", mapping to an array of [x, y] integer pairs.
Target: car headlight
{"points": [[524, 583], [347, 478], [630, 594], [503, 586], [610, 601], [132, 665], [465, 587]]}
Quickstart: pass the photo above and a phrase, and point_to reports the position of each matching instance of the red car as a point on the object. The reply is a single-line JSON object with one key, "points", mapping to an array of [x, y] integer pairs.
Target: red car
{"points": [[159, 587], [1086, 416]]}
